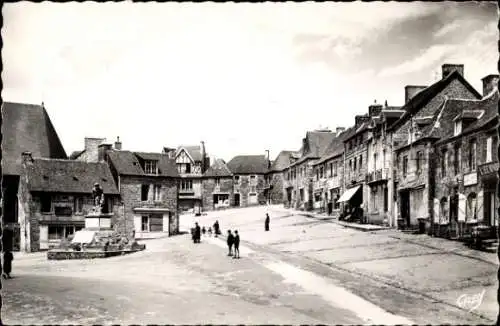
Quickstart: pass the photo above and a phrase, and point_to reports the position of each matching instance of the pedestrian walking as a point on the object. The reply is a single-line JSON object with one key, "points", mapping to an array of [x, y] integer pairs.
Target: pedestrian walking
{"points": [[216, 228], [203, 230], [209, 231], [230, 242], [236, 244], [266, 223], [197, 233], [7, 263]]}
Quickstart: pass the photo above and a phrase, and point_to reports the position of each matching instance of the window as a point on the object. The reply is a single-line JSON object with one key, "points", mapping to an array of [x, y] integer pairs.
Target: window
{"points": [[350, 165], [56, 232], [471, 208], [355, 164], [188, 168], [383, 159], [458, 127], [145, 223], [489, 149], [317, 197], [144, 192], [150, 167], [157, 192], [335, 168], [301, 192], [444, 161], [457, 159], [472, 155], [78, 205], [187, 185], [405, 165], [321, 172], [46, 203], [443, 214], [237, 178], [420, 157], [374, 161], [217, 182], [317, 174], [252, 178], [360, 162]]}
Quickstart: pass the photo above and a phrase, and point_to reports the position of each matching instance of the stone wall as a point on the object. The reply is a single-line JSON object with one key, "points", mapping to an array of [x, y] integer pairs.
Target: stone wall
{"points": [[277, 193], [209, 188], [130, 189], [246, 186]]}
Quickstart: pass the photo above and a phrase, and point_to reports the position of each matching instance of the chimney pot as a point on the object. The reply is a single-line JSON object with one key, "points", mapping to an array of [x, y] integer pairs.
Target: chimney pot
{"points": [[448, 68], [118, 144], [490, 82]]}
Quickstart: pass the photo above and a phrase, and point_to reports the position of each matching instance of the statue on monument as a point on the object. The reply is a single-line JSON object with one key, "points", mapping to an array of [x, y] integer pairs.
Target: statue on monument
{"points": [[98, 196]]}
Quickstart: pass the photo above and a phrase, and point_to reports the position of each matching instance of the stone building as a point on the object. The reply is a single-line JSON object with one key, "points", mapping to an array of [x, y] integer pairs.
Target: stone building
{"points": [[328, 174], [249, 173], [355, 168], [191, 162], [276, 174], [54, 197], [147, 183], [412, 143], [25, 128], [298, 182], [379, 157], [466, 160], [218, 187]]}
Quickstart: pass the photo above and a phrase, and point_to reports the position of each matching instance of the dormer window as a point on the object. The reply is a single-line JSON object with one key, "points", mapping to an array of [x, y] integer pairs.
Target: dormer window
{"points": [[458, 128], [151, 167]]}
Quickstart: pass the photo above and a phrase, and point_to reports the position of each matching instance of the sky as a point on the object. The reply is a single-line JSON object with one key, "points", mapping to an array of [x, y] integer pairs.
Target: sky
{"points": [[243, 78]]}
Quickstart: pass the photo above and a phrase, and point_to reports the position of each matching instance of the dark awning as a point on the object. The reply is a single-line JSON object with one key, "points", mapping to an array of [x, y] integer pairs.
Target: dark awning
{"points": [[347, 195]]}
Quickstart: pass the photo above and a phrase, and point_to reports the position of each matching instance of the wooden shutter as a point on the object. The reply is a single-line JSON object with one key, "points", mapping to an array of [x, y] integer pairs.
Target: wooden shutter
{"points": [[480, 206], [462, 200], [166, 222]]}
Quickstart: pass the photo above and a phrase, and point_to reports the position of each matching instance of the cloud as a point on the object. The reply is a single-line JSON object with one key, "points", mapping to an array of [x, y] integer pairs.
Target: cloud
{"points": [[427, 58]]}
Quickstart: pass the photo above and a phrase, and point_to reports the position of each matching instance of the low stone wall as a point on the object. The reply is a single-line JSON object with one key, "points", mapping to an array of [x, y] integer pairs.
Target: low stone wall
{"points": [[65, 255]]}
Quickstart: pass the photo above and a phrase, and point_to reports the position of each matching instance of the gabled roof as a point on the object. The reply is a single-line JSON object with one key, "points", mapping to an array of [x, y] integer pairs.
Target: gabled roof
{"points": [[75, 154], [248, 164], [487, 107], [336, 147], [218, 169], [69, 176], [282, 161], [27, 128], [193, 151], [129, 163], [423, 97], [469, 114], [316, 143]]}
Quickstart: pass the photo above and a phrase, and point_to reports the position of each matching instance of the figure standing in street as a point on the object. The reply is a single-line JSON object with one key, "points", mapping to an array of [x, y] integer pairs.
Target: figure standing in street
{"points": [[266, 224], [197, 233], [236, 244], [230, 241], [7, 263], [203, 230], [216, 228], [209, 231]]}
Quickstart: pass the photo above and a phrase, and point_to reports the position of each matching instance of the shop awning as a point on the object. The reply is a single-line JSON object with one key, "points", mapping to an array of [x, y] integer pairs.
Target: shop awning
{"points": [[347, 195]]}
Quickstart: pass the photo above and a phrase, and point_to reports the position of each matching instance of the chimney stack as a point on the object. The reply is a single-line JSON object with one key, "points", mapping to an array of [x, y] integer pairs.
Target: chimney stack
{"points": [[203, 157], [374, 109], [448, 68], [359, 119], [91, 148], [27, 157], [490, 82], [102, 152], [339, 130], [118, 144], [411, 91]]}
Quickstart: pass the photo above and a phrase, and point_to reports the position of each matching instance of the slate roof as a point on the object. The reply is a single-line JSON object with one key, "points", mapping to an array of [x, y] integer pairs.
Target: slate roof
{"points": [[282, 161], [248, 164], [488, 105], [129, 163], [68, 176], [218, 169], [336, 147], [316, 144], [75, 154], [193, 151], [27, 128], [427, 94]]}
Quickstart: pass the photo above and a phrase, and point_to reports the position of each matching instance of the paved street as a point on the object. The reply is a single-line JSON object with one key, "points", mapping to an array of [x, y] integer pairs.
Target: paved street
{"points": [[303, 271], [408, 275]]}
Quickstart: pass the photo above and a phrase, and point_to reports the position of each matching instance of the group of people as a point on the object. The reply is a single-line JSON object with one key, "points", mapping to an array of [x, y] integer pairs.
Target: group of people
{"points": [[233, 240], [197, 231]]}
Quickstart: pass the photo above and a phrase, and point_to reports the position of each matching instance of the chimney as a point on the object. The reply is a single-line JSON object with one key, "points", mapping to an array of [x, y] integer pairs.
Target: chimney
{"points": [[411, 91], [339, 130], [448, 68], [91, 148], [27, 157], [102, 152], [374, 109], [118, 144], [490, 82], [203, 157], [359, 119]]}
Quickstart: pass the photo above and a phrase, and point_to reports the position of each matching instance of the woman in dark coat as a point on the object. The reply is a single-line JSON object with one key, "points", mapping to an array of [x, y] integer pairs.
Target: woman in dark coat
{"points": [[216, 228], [266, 224], [7, 263]]}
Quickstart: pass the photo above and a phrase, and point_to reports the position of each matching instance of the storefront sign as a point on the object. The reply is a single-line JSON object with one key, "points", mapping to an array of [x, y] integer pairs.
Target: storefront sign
{"points": [[470, 179], [488, 168]]}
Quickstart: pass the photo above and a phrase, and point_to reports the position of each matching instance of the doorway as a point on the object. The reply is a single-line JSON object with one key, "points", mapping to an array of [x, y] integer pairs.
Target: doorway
{"points": [[236, 200], [405, 207]]}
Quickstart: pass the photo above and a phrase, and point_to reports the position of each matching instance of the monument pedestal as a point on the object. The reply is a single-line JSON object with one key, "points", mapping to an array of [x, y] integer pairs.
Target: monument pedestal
{"points": [[97, 222]]}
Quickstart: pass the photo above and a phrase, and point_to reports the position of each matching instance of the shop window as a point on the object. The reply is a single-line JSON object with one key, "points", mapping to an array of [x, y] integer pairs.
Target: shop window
{"points": [[78, 205], [145, 223], [471, 208]]}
